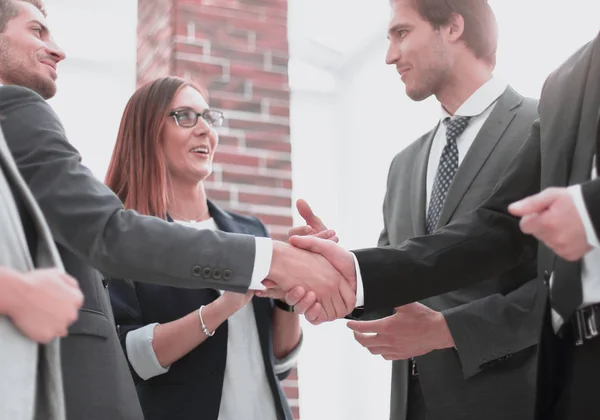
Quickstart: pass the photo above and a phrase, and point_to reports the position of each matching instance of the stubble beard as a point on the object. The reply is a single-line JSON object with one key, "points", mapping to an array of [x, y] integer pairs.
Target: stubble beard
{"points": [[16, 72]]}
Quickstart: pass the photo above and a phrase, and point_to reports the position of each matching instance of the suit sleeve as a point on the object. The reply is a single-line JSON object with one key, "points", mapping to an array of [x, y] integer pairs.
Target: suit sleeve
{"points": [[488, 239], [89, 220], [492, 329], [591, 196]]}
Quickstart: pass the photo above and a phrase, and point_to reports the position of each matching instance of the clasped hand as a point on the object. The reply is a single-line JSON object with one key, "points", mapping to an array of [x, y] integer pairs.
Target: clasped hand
{"points": [[312, 272]]}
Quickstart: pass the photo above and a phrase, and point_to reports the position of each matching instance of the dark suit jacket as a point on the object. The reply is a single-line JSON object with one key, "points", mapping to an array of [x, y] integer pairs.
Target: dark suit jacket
{"points": [[93, 231], [488, 241], [489, 321], [191, 389]]}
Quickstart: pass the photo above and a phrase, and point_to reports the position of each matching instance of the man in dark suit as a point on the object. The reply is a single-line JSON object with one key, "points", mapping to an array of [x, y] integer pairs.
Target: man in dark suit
{"points": [[474, 325], [557, 159], [93, 231]]}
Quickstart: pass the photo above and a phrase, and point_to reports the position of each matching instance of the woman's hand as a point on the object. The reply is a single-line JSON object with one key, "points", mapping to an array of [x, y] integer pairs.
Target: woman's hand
{"points": [[233, 302], [314, 226]]}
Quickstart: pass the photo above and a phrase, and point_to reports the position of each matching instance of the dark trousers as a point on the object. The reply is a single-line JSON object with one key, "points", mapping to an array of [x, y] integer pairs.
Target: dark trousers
{"points": [[580, 396], [416, 409], [568, 387]]}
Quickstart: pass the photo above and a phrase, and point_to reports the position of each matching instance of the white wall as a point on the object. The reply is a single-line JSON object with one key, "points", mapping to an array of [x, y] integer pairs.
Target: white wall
{"points": [[98, 76], [346, 127]]}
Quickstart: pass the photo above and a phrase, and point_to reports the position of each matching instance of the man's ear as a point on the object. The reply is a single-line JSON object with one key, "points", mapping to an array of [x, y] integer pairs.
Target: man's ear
{"points": [[455, 27]]}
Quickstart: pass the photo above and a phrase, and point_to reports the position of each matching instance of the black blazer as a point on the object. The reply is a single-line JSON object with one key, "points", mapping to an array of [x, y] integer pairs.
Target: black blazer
{"points": [[191, 389]]}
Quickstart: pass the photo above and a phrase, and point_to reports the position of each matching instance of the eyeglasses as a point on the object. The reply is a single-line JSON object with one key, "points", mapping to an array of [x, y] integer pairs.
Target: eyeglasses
{"points": [[189, 117]]}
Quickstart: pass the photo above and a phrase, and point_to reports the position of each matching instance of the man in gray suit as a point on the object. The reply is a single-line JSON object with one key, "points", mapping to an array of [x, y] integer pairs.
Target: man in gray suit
{"points": [[93, 231], [36, 305], [447, 48]]}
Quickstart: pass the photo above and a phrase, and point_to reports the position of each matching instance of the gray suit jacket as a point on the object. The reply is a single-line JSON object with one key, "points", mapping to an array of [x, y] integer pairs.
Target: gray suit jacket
{"points": [[493, 369], [30, 378], [93, 231]]}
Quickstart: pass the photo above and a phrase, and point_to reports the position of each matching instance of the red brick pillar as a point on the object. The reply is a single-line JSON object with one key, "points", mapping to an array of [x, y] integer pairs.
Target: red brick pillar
{"points": [[238, 50]]}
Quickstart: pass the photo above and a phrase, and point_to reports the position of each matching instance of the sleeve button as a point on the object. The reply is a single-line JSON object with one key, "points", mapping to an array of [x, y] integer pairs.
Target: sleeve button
{"points": [[196, 271]]}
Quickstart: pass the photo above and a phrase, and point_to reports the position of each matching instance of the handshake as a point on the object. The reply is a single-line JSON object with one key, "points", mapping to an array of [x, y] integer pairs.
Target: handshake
{"points": [[312, 272]]}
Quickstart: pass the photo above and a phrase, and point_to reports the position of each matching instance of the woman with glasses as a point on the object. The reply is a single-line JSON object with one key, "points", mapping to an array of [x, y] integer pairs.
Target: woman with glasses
{"points": [[194, 354]]}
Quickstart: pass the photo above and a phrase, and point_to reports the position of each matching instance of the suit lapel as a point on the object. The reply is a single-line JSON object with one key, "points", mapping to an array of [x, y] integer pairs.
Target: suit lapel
{"points": [[588, 126], [481, 149], [562, 117], [45, 358], [419, 185], [224, 221], [47, 254]]}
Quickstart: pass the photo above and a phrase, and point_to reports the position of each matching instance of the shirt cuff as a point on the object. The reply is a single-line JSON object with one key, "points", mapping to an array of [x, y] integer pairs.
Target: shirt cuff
{"points": [[590, 233], [289, 361], [360, 291], [140, 352], [262, 263]]}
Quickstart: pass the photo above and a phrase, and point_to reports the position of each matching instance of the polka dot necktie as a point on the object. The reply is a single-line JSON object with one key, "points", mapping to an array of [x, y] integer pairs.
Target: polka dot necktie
{"points": [[446, 170]]}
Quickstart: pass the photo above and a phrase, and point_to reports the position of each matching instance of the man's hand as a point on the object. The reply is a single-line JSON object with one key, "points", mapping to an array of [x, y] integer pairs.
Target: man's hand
{"points": [[340, 259], [551, 216], [412, 331], [43, 303], [292, 267], [298, 297], [308, 304]]}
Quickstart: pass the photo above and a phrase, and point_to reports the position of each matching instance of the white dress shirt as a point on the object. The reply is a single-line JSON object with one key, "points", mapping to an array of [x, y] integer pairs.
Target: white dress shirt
{"points": [[478, 106], [590, 264], [246, 392], [262, 263]]}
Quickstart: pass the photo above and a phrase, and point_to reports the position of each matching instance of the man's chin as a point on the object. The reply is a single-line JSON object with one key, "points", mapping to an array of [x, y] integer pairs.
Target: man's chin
{"points": [[46, 90], [417, 95]]}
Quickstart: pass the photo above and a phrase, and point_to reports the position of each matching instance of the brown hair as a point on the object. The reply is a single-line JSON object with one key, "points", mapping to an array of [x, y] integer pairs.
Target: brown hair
{"points": [[9, 10], [481, 29], [137, 172]]}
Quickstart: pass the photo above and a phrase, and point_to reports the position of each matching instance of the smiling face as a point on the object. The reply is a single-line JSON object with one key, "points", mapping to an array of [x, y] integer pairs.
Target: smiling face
{"points": [[188, 151], [420, 52], [28, 54]]}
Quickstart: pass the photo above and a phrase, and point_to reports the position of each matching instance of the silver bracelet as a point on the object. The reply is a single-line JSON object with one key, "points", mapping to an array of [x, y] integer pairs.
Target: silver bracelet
{"points": [[204, 329]]}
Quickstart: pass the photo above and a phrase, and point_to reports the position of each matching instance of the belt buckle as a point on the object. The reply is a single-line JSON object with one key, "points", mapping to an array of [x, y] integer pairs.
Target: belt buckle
{"points": [[413, 367], [591, 330], [587, 327]]}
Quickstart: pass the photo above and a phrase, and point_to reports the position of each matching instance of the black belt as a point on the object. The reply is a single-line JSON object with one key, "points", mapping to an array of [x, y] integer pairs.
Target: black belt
{"points": [[585, 324]]}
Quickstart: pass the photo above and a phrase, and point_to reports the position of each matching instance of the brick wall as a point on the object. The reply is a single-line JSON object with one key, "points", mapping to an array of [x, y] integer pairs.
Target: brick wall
{"points": [[238, 50], [155, 32]]}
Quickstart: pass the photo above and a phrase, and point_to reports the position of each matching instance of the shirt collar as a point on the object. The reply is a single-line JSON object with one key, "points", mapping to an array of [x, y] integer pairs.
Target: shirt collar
{"points": [[480, 100]]}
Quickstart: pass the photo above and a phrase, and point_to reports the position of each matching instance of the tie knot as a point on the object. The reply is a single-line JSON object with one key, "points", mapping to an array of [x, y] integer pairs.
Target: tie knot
{"points": [[455, 126]]}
